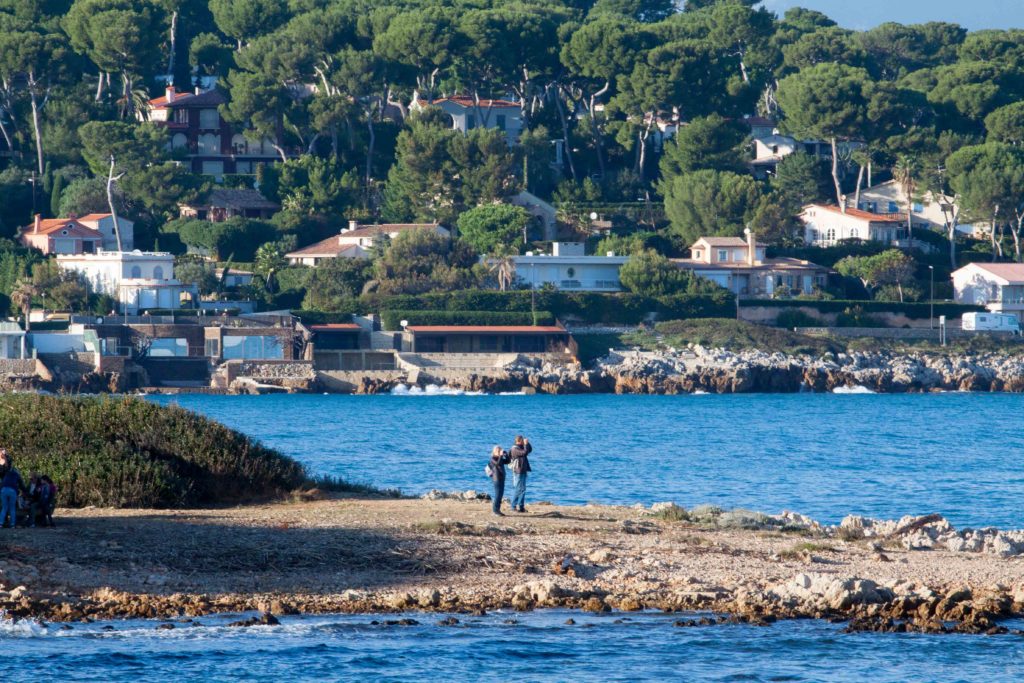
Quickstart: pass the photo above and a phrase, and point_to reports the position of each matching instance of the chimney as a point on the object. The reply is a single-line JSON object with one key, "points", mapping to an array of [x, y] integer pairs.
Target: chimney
{"points": [[36, 224], [199, 90], [751, 247], [169, 93], [352, 225]]}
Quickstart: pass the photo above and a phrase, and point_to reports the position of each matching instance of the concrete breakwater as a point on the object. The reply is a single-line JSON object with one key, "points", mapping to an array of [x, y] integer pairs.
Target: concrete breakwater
{"points": [[700, 369]]}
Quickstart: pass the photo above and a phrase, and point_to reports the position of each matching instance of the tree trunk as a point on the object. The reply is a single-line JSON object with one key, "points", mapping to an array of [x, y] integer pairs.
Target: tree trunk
{"points": [[35, 120], [856, 194], [369, 149], [7, 135], [952, 219], [565, 135], [110, 202], [992, 232], [595, 131], [99, 87], [174, 44], [899, 288], [835, 175], [1016, 236]]}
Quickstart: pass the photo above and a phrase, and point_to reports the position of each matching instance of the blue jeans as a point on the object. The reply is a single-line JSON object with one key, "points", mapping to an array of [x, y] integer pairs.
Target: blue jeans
{"points": [[8, 505], [499, 493], [519, 490]]}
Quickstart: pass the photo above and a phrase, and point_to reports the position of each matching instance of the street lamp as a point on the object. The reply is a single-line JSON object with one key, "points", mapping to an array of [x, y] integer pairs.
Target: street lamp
{"points": [[931, 299]]}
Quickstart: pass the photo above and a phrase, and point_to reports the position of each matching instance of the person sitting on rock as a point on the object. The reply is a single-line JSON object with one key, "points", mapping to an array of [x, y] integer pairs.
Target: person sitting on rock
{"points": [[41, 492], [499, 458], [520, 468]]}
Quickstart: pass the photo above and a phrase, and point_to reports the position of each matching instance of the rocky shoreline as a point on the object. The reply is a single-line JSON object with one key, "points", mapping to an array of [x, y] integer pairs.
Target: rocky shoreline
{"points": [[917, 574], [719, 371]]}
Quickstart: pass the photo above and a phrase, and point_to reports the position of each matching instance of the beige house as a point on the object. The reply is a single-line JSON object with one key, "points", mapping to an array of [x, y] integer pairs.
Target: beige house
{"points": [[61, 236], [926, 211], [999, 287], [826, 225], [740, 266], [355, 241]]}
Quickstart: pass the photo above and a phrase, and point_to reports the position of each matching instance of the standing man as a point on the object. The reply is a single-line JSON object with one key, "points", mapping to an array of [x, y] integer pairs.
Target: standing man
{"points": [[520, 468]]}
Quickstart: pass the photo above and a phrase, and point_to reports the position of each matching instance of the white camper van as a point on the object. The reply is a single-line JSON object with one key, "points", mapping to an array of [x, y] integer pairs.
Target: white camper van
{"points": [[990, 322]]}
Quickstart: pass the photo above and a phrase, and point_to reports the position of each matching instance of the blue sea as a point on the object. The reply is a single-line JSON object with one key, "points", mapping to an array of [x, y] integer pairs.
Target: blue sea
{"points": [[822, 455]]}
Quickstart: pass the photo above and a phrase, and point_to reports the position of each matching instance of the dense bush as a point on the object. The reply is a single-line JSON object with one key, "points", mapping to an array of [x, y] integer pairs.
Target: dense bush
{"points": [[792, 317], [590, 307], [392, 320], [132, 453]]}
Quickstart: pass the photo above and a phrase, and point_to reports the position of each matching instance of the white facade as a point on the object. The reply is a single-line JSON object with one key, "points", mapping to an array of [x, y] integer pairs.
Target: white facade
{"points": [[12, 340], [574, 273], [826, 226], [467, 114], [136, 279], [104, 223], [999, 287], [926, 211]]}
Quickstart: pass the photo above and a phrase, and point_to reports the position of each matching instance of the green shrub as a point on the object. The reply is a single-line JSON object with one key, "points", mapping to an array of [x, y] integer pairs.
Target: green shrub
{"points": [[854, 316], [914, 310], [392, 320], [322, 317], [128, 452]]}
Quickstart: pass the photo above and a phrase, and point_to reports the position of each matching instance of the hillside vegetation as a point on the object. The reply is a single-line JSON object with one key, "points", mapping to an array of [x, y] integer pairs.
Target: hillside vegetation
{"points": [[128, 452]]}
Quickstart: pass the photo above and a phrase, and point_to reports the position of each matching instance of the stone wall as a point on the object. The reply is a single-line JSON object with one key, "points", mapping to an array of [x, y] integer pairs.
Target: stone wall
{"points": [[17, 367], [281, 370]]}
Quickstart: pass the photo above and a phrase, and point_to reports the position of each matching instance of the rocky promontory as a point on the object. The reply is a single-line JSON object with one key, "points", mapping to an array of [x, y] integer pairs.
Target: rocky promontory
{"points": [[697, 369]]}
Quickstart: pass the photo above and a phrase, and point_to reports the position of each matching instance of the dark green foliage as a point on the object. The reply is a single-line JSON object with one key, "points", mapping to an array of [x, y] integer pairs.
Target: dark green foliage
{"points": [[236, 238], [132, 453], [329, 287], [792, 317], [392, 320], [738, 335], [914, 310]]}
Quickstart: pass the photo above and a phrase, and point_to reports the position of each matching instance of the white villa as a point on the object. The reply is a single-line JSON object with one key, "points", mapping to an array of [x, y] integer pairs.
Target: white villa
{"points": [[355, 241], [138, 280], [826, 225], [999, 287], [569, 268], [740, 266], [466, 114], [926, 211]]}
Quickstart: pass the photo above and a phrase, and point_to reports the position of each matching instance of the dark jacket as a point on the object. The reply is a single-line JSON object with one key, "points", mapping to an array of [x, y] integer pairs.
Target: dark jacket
{"points": [[498, 463], [12, 480], [520, 461]]}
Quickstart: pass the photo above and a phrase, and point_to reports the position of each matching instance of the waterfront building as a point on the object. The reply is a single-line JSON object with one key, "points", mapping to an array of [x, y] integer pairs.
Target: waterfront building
{"points": [[138, 280], [826, 226], [740, 265], [999, 287], [477, 339], [568, 268]]}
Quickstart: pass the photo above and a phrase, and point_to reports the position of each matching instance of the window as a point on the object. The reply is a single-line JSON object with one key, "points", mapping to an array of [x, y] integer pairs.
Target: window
{"points": [[214, 168], [256, 346], [158, 273], [917, 208], [489, 343], [88, 247], [254, 146], [168, 348], [470, 121], [238, 144], [570, 272], [500, 119], [181, 115], [136, 272], [209, 119], [830, 235], [893, 207], [209, 143], [179, 141], [723, 255], [212, 348], [243, 167]]}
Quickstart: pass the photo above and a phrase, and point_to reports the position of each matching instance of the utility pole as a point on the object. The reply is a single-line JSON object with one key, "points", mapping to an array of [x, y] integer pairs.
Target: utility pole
{"points": [[931, 298]]}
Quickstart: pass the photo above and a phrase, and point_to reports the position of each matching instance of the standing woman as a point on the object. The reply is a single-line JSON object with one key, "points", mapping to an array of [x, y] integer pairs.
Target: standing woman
{"points": [[520, 468], [499, 458]]}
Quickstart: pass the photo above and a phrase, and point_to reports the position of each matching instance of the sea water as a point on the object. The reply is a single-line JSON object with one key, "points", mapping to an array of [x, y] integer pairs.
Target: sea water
{"points": [[823, 455], [536, 646]]}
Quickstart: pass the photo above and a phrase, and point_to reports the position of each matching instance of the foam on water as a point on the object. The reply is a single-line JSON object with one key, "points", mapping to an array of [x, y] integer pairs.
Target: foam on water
{"points": [[431, 390], [853, 390]]}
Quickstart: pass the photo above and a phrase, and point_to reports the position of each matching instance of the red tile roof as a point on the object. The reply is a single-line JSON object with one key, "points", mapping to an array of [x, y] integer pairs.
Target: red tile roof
{"points": [[94, 217], [863, 215], [210, 98], [51, 225], [328, 248], [493, 329], [387, 228]]}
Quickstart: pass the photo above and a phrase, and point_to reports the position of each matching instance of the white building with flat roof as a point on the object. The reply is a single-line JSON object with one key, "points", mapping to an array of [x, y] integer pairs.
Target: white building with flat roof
{"points": [[569, 269], [999, 287], [138, 280]]}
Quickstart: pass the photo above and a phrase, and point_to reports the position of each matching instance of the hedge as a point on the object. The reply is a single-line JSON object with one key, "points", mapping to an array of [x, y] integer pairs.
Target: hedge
{"points": [[590, 307], [915, 309], [322, 317], [392, 320]]}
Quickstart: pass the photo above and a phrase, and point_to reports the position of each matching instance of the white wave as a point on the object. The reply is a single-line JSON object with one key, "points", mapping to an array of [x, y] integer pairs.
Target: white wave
{"points": [[852, 390], [22, 628], [431, 390], [700, 392]]}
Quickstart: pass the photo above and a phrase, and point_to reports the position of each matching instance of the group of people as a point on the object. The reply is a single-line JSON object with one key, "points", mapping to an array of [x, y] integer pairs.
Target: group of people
{"points": [[37, 500], [518, 460]]}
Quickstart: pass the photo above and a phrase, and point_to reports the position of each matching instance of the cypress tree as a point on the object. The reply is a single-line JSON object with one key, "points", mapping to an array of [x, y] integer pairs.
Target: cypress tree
{"points": [[55, 193]]}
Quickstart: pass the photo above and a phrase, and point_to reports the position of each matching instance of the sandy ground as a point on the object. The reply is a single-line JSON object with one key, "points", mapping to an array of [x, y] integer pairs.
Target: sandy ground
{"points": [[324, 550]]}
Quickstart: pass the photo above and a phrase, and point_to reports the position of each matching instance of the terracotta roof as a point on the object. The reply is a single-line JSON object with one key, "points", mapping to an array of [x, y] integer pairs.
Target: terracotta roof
{"points": [[210, 98], [477, 329], [96, 217], [726, 241], [335, 327], [1011, 272], [51, 225], [328, 248], [857, 213], [468, 102], [387, 228]]}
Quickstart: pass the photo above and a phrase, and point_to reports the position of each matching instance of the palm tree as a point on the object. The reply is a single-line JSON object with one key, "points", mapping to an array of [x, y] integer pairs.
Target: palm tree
{"points": [[905, 173], [504, 268], [22, 295]]}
